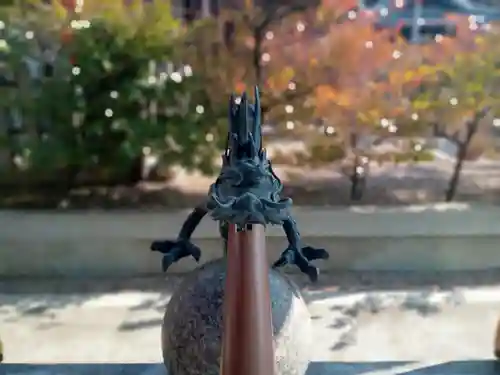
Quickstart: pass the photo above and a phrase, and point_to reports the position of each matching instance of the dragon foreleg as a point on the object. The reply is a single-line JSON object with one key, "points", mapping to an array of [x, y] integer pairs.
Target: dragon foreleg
{"points": [[182, 247], [300, 256]]}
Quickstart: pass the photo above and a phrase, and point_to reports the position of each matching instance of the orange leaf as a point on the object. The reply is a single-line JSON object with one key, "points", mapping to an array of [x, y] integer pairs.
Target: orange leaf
{"points": [[240, 87]]}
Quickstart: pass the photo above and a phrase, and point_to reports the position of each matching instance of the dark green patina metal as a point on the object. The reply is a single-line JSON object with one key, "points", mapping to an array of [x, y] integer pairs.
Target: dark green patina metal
{"points": [[246, 192]]}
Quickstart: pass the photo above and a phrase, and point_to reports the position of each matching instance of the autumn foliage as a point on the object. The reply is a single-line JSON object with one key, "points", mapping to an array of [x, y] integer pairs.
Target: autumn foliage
{"points": [[327, 76]]}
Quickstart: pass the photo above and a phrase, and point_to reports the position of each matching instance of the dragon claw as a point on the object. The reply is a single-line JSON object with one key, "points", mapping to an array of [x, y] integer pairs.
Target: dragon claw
{"points": [[193, 250], [302, 258], [175, 250], [167, 261], [312, 253], [163, 247]]}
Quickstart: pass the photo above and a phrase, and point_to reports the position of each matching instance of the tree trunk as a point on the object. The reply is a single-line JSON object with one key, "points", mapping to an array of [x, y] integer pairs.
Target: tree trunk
{"points": [[463, 147], [356, 188], [257, 56], [70, 180], [455, 177], [357, 181]]}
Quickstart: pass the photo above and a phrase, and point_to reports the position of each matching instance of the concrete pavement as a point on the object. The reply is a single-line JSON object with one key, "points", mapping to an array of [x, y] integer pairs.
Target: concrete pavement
{"points": [[414, 332]]}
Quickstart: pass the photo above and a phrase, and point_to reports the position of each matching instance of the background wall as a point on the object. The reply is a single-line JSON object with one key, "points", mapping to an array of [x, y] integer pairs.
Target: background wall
{"points": [[116, 244]]}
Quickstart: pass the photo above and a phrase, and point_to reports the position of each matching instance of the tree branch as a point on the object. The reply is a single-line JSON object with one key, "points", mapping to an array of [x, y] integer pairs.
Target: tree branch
{"points": [[288, 96], [452, 137], [471, 127], [278, 14], [473, 124]]}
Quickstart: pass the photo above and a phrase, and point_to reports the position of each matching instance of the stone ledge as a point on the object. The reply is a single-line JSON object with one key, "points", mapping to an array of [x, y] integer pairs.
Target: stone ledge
{"points": [[436, 220], [115, 243]]}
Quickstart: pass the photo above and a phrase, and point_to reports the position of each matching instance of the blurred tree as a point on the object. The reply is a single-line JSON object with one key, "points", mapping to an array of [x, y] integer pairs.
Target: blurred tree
{"points": [[363, 96], [118, 90], [279, 47], [21, 56], [460, 93], [259, 20], [258, 46]]}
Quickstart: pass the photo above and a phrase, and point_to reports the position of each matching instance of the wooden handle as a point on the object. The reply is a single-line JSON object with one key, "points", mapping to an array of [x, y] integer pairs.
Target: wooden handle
{"points": [[248, 332]]}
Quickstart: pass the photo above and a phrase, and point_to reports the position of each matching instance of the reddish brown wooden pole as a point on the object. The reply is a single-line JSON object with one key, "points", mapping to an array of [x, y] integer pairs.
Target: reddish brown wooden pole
{"points": [[247, 344]]}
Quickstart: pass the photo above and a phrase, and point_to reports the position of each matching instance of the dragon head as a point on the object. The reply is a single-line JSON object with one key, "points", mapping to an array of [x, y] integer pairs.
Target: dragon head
{"points": [[247, 191], [245, 132]]}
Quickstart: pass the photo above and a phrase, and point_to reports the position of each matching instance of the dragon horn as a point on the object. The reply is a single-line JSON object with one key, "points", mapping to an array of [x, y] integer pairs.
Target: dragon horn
{"points": [[232, 121], [257, 126], [231, 110], [243, 131]]}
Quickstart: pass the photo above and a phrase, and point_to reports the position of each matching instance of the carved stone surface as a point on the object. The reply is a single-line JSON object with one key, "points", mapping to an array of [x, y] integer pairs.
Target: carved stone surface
{"points": [[191, 334]]}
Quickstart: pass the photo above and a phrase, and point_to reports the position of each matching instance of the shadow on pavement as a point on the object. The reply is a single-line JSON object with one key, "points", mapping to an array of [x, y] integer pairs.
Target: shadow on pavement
{"points": [[133, 326], [474, 367]]}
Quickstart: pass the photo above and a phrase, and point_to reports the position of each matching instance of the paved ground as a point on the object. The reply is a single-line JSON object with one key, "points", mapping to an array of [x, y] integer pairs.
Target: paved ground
{"points": [[388, 184], [428, 331]]}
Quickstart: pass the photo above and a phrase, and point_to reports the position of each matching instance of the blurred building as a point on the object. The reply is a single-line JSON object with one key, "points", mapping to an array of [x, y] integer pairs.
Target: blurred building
{"points": [[190, 10], [194, 9]]}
